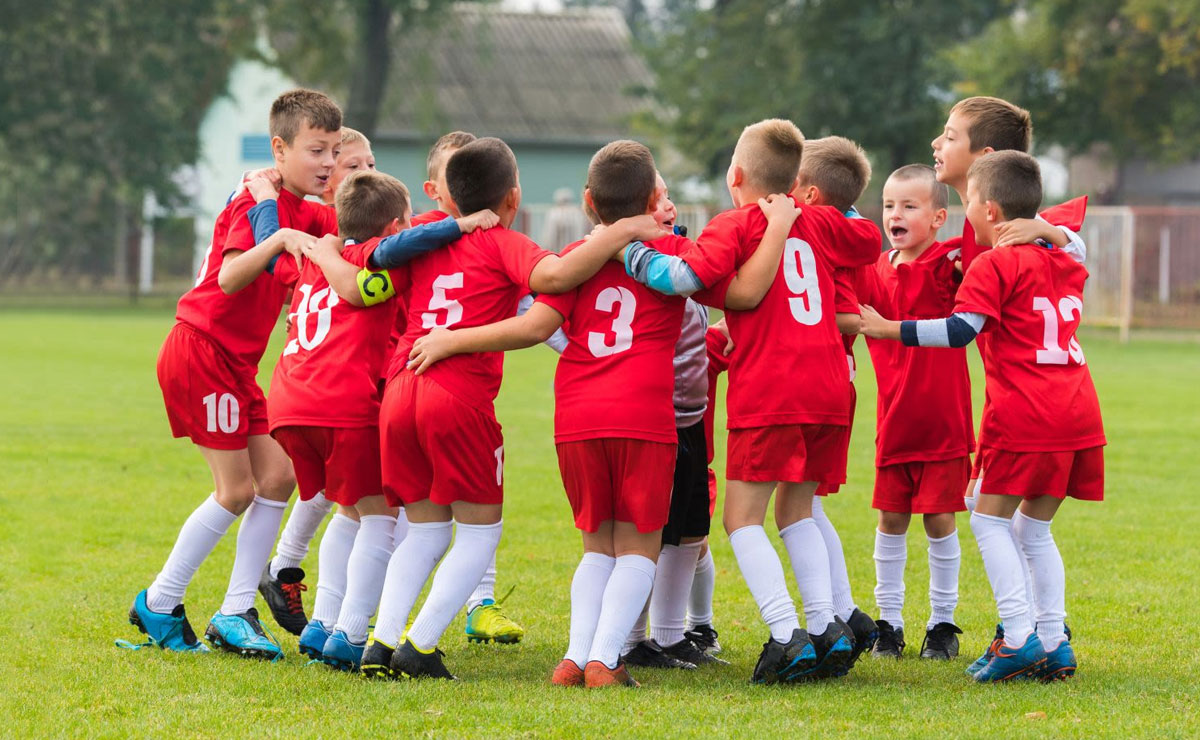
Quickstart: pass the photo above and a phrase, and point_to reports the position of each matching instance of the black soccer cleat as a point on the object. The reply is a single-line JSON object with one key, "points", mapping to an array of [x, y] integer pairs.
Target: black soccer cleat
{"points": [[688, 652], [890, 643], [649, 654], [283, 597], [865, 632], [941, 642], [377, 660], [781, 662], [704, 637], [409, 662], [835, 651]]}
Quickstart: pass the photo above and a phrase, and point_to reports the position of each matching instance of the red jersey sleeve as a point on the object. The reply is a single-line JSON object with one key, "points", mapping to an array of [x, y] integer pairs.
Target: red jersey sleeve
{"points": [[519, 256], [564, 303], [715, 254], [983, 289], [286, 271], [845, 297], [855, 241], [241, 234]]}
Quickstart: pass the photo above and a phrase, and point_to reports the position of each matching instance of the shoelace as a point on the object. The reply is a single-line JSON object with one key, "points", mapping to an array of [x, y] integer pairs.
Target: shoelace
{"points": [[291, 593]]}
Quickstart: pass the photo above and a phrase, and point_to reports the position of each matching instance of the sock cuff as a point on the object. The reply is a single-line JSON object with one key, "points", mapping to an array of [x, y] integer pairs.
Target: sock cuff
{"points": [[890, 539], [598, 560], [747, 531], [953, 536], [342, 521], [797, 526], [430, 526], [1030, 521], [989, 519], [319, 501], [380, 521], [217, 517], [260, 501], [640, 563], [479, 527]]}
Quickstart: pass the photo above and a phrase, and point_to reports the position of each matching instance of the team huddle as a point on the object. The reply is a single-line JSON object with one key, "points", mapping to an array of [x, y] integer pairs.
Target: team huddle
{"points": [[382, 402]]}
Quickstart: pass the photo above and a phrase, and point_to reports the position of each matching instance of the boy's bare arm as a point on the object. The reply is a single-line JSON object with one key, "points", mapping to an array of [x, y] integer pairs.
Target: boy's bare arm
{"points": [[755, 276], [849, 323], [342, 275], [532, 327], [239, 269], [555, 274]]}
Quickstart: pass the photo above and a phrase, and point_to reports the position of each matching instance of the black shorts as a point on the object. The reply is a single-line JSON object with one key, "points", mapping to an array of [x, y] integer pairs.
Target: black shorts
{"points": [[689, 498]]}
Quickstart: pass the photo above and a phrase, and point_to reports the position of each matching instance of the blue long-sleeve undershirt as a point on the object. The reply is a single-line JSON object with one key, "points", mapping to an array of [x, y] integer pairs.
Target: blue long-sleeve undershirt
{"points": [[666, 274], [398, 249], [958, 330]]}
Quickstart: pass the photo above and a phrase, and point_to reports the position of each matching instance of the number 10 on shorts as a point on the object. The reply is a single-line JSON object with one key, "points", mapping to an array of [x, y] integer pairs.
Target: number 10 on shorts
{"points": [[223, 412]]}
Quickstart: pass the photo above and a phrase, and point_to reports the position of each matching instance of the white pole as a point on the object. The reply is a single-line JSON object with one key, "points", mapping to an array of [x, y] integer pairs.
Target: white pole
{"points": [[1164, 265], [1127, 235], [146, 247]]}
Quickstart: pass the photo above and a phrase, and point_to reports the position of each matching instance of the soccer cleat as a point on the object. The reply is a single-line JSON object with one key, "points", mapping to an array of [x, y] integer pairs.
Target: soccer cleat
{"points": [[890, 642], [167, 631], [567, 673], [1011, 663], [941, 642], [688, 652], [597, 675], [982, 660], [835, 651], [780, 661], [409, 662], [649, 654], [282, 595], [1060, 663], [486, 623], [313, 639], [242, 634], [865, 632], [704, 637], [377, 660], [342, 654]]}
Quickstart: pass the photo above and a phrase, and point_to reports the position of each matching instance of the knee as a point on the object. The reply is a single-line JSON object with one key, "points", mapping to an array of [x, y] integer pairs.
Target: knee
{"points": [[235, 497], [938, 526], [891, 522], [277, 485]]}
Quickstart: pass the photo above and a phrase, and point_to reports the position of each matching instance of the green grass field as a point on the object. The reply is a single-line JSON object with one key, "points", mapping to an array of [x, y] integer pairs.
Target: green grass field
{"points": [[94, 489]]}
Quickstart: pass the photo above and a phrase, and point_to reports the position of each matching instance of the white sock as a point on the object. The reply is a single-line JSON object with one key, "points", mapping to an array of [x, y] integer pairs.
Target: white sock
{"points": [[409, 568], [256, 534], [332, 563], [700, 602], [810, 565], [587, 597], [669, 598], [763, 573], [301, 527], [891, 554], [1049, 578], [638, 633], [627, 589], [944, 558], [1029, 598], [365, 570], [486, 590], [201, 532], [474, 547], [1006, 574], [839, 577], [401, 528]]}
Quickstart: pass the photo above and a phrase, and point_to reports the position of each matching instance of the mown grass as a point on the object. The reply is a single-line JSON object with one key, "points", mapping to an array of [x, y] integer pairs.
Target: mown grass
{"points": [[94, 489]]}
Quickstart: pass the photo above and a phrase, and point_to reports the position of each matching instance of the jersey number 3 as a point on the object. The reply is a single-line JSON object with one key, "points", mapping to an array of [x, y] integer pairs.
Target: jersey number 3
{"points": [[800, 275], [623, 303], [1071, 309]]}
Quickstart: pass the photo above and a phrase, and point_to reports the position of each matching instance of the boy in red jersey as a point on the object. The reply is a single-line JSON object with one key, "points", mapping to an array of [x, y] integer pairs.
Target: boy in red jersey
{"points": [[1042, 438], [613, 412], [442, 447], [920, 468], [207, 372]]}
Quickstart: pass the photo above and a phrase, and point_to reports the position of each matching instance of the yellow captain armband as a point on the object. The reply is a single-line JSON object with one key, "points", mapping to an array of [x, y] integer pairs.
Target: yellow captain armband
{"points": [[375, 287]]}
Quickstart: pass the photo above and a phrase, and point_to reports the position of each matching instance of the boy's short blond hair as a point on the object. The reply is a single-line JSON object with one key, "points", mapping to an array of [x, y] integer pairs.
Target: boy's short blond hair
{"points": [[1011, 180], [939, 194], [366, 202], [296, 107], [445, 145], [839, 167], [996, 123], [769, 154], [354, 136], [621, 179]]}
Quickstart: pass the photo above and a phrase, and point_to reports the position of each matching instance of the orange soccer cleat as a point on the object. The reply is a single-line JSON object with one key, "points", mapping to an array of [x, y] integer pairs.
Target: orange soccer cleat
{"points": [[567, 673], [596, 675]]}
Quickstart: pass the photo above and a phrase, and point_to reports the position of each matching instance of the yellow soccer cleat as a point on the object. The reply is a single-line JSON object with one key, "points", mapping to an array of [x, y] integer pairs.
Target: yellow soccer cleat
{"points": [[486, 623]]}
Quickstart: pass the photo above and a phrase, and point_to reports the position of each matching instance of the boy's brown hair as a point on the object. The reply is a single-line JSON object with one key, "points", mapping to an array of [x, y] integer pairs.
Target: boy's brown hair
{"points": [[939, 193], [996, 123], [353, 136], [769, 154], [1011, 180], [621, 180], [447, 143], [296, 107], [366, 203], [839, 167], [481, 174]]}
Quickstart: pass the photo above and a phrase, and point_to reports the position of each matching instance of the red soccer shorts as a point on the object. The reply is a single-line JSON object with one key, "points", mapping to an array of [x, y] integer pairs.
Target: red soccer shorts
{"points": [[628, 480], [792, 453], [835, 485], [342, 462], [209, 399], [437, 447], [922, 487], [1074, 473]]}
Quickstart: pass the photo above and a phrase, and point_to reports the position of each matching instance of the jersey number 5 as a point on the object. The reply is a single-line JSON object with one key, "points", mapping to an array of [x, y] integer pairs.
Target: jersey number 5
{"points": [[439, 301], [800, 274], [1071, 309], [624, 303]]}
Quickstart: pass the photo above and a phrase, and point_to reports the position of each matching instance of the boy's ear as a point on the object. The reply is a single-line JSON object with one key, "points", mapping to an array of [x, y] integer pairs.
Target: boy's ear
{"points": [[513, 199], [994, 215], [278, 147], [737, 176], [587, 199], [808, 195], [939, 218], [430, 190], [393, 227]]}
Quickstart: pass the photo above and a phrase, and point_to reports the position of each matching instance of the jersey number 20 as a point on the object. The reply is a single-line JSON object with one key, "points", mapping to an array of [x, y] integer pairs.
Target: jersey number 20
{"points": [[800, 275]]}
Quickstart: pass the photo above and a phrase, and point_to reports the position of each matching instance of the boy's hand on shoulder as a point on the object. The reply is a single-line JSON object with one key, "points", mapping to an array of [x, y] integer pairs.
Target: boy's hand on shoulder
{"points": [[779, 208], [325, 248], [262, 186], [484, 219], [639, 228], [1022, 231], [437, 345]]}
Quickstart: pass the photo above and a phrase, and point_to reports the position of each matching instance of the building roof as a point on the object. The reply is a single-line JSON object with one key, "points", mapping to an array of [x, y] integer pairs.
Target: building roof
{"points": [[569, 77]]}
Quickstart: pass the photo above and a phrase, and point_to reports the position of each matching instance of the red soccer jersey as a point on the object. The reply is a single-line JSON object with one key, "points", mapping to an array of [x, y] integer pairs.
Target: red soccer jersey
{"points": [[241, 323], [1040, 392], [1069, 214], [924, 402], [846, 301], [474, 281], [330, 367], [790, 364], [400, 321], [616, 377]]}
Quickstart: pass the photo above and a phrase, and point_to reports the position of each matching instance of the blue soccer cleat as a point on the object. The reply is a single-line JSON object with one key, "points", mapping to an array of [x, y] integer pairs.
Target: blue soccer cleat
{"points": [[1010, 663], [835, 652], [1060, 663], [167, 631], [313, 639], [781, 661], [243, 635], [983, 660], [340, 653]]}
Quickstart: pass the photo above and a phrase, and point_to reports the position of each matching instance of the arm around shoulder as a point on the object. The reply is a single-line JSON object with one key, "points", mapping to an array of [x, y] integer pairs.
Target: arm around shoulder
{"points": [[532, 327]]}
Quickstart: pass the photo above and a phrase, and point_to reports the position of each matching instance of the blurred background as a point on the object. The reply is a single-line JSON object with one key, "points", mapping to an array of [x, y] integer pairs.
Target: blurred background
{"points": [[125, 125]]}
